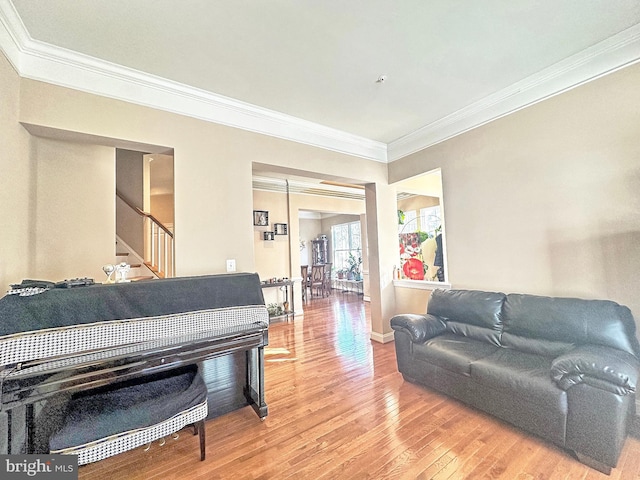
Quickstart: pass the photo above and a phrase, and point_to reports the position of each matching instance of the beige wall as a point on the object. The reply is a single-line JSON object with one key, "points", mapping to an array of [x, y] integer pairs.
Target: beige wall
{"points": [[129, 183], [212, 167], [548, 195], [17, 186], [411, 300], [272, 256], [162, 208], [75, 227], [382, 230], [546, 200]]}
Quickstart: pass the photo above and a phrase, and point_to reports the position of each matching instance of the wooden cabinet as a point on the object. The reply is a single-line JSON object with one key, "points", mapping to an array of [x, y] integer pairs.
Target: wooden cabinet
{"points": [[320, 251]]}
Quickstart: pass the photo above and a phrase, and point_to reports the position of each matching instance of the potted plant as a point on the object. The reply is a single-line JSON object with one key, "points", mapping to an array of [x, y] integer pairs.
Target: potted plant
{"points": [[274, 309], [354, 266]]}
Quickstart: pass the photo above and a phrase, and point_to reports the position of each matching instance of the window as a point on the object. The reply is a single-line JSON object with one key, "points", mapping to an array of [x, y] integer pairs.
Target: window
{"points": [[410, 224], [430, 220], [421, 235], [346, 239], [427, 221]]}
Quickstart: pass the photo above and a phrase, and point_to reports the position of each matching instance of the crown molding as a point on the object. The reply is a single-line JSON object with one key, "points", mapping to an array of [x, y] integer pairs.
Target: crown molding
{"points": [[614, 53], [40, 61]]}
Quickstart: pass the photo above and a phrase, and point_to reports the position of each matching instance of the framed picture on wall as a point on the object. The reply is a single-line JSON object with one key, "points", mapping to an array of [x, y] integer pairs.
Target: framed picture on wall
{"points": [[260, 218], [280, 228]]}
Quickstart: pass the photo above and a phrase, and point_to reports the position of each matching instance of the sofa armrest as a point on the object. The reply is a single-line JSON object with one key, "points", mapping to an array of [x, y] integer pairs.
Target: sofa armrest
{"points": [[419, 327], [601, 367]]}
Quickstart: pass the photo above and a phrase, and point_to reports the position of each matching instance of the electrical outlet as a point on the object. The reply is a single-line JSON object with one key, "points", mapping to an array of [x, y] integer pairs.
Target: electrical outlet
{"points": [[231, 265]]}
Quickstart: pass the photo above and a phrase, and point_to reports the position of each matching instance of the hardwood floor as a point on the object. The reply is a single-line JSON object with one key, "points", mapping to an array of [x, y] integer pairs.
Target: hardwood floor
{"points": [[339, 409]]}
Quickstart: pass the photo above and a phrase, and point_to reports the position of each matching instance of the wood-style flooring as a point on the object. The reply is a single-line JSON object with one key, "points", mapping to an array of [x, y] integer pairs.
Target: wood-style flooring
{"points": [[339, 409]]}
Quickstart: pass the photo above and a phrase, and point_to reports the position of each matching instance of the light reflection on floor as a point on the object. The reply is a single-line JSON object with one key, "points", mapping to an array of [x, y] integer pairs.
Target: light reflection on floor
{"points": [[352, 330], [283, 355]]}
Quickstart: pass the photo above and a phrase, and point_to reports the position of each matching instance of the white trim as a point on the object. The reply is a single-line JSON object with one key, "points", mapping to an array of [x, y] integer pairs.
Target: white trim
{"points": [[614, 53], [421, 284], [9, 43], [37, 60], [382, 338], [44, 62]]}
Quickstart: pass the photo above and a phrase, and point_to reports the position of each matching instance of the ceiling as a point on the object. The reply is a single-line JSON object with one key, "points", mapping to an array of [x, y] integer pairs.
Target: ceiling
{"points": [[449, 65]]}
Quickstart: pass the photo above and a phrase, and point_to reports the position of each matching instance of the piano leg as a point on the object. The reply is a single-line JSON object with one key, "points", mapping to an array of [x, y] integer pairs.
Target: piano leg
{"points": [[29, 431], [255, 372], [9, 428]]}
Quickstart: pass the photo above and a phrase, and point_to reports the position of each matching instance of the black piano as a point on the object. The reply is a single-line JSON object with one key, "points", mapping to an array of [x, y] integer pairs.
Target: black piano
{"points": [[67, 340]]}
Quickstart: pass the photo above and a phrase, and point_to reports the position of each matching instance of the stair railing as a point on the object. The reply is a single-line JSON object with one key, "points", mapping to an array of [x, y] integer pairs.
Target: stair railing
{"points": [[159, 254]]}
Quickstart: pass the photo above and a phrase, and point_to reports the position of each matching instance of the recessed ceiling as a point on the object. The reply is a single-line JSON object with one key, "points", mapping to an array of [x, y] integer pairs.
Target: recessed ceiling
{"points": [[320, 61]]}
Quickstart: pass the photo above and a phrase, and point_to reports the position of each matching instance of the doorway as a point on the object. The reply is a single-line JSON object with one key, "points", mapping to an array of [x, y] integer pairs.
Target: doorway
{"points": [[309, 207], [145, 210]]}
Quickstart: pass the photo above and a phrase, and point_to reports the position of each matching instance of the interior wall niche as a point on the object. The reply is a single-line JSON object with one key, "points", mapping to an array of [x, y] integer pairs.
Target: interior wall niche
{"points": [[421, 239]]}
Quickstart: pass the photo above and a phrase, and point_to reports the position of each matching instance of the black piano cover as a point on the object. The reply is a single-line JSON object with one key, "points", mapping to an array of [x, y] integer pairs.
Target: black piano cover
{"points": [[62, 307]]}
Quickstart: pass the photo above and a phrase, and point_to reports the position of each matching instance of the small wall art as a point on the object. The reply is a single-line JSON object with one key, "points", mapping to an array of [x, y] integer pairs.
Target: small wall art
{"points": [[260, 218]]}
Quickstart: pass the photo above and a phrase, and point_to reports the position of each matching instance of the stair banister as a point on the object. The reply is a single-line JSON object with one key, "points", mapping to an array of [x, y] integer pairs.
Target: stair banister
{"points": [[160, 255]]}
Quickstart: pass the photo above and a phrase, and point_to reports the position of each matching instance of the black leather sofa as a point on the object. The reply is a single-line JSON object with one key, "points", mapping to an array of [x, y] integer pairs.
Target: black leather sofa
{"points": [[564, 369]]}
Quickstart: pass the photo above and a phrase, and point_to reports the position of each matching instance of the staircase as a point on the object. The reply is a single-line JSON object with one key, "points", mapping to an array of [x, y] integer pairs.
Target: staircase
{"points": [[139, 270], [159, 249]]}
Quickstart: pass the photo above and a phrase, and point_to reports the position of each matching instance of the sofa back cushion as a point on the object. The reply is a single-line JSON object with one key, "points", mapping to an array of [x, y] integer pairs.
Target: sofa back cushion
{"points": [[551, 326], [470, 313]]}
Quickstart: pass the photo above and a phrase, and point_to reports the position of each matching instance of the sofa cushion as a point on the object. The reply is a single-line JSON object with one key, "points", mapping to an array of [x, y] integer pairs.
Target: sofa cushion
{"points": [[453, 352], [473, 314], [568, 321], [523, 374], [537, 346]]}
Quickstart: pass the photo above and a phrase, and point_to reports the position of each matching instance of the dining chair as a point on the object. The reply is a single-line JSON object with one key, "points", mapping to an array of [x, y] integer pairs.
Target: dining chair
{"points": [[317, 279], [327, 278], [304, 273]]}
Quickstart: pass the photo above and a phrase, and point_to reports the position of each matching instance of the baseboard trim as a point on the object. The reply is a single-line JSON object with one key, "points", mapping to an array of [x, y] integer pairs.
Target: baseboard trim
{"points": [[382, 337]]}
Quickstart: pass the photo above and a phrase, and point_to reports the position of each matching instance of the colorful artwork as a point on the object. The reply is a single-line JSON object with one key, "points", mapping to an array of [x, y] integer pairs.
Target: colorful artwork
{"points": [[412, 263]]}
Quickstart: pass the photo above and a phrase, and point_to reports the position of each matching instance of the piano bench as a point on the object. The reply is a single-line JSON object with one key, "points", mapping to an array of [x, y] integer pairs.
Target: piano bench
{"points": [[109, 420]]}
